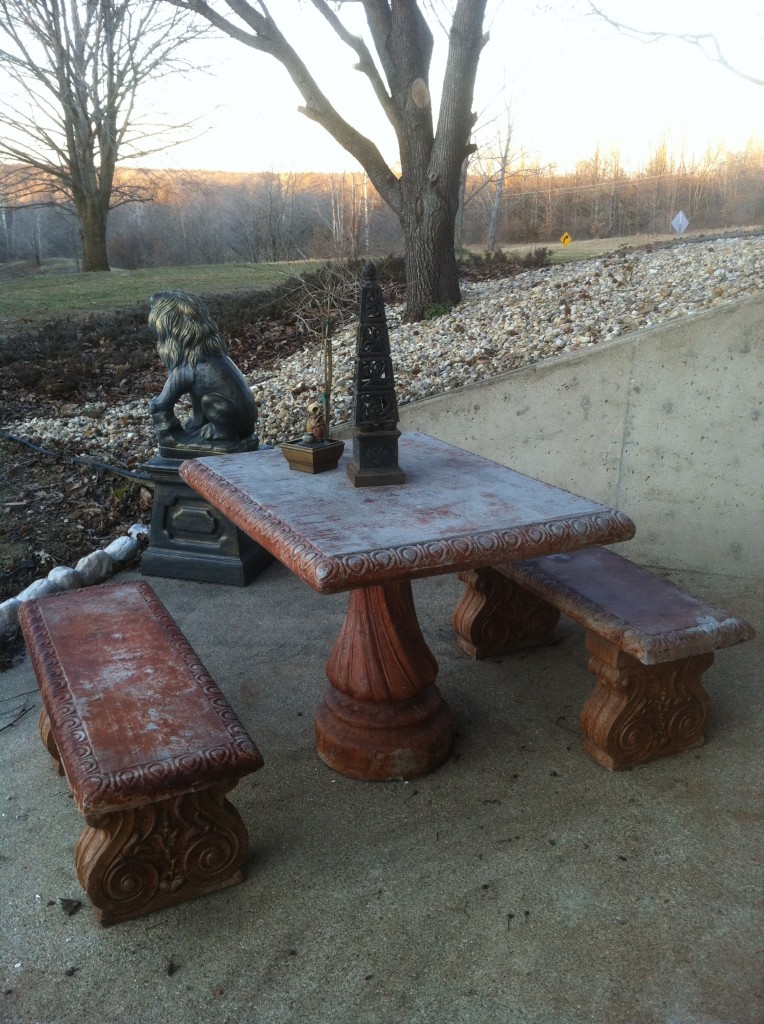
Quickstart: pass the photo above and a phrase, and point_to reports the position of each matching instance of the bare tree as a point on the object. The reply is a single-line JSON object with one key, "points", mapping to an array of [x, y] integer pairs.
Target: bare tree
{"points": [[499, 181], [76, 67], [493, 163], [706, 42], [425, 194]]}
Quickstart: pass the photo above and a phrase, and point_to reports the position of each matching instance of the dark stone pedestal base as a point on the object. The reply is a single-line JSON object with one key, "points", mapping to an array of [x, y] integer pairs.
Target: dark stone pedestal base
{"points": [[375, 459], [191, 540]]}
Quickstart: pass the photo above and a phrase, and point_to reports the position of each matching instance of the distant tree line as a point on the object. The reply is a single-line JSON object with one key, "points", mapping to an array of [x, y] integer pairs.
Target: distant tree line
{"points": [[599, 199], [205, 217]]}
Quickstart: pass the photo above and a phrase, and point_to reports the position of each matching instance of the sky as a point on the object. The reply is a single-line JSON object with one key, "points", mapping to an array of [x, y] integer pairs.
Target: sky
{"points": [[571, 82], [567, 82]]}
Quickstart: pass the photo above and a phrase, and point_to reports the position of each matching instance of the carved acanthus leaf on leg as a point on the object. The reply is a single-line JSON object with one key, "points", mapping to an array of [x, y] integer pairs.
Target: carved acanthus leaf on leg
{"points": [[638, 712], [496, 615], [135, 861]]}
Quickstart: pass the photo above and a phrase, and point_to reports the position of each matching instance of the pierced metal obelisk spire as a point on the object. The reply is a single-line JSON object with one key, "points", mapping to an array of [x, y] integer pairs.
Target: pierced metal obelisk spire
{"points": [[375, 406]]}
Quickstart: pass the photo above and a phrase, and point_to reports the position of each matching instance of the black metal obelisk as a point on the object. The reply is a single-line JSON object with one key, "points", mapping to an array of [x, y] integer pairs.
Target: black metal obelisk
{"points": [[375, 407]]}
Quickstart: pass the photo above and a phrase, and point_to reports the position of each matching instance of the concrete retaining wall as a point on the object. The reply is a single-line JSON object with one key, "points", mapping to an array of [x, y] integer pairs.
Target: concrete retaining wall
{"points": [[666, 424]]}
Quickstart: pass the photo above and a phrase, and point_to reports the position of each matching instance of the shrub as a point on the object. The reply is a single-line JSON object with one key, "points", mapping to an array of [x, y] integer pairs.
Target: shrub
{"points": [[540, 257], [437, 309]]}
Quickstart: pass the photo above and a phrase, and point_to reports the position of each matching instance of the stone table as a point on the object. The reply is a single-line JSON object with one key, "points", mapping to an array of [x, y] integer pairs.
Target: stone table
{"points": [[382, 716]]}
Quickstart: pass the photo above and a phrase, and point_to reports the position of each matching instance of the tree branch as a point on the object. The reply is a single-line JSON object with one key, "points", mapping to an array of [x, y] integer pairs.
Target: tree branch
{"points": [[268, 39], [365, 63], [703, 41]]}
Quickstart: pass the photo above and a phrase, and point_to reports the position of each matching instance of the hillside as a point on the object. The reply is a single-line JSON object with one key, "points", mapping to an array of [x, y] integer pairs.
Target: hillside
{"points": [[92, 403]]}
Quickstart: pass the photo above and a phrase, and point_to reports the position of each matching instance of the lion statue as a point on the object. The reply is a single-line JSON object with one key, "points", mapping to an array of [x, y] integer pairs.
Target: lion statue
{"points": [[224, 413]]}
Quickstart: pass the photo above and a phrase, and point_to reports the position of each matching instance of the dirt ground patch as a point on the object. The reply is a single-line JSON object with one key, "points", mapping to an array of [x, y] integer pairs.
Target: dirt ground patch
{"points": [[53, 509]]}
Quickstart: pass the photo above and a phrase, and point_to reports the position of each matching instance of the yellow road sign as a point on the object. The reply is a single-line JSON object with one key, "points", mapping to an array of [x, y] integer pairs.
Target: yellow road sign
{"points": [[566, 239]]}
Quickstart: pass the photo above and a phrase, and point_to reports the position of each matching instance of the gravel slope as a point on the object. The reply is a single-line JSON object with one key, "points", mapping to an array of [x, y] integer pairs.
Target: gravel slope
{"points": [[500, 325]]}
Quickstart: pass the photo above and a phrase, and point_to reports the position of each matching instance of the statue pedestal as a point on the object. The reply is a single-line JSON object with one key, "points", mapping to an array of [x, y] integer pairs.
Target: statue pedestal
{"points": [[375, 459], [191, 540]]}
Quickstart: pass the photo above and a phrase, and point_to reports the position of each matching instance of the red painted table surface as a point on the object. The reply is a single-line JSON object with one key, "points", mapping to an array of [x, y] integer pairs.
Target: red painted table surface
{"points": [[383, 716], [455, 511]]}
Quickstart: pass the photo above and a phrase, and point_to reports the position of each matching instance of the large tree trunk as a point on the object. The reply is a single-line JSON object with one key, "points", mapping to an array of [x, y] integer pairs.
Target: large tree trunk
{"points": [[431, 165], [93, 238], [425, 195], [428, 219]]}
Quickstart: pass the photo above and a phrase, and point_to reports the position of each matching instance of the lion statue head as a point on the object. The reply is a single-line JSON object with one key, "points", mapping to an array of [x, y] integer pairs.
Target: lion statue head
{"points": [[184, 330]]}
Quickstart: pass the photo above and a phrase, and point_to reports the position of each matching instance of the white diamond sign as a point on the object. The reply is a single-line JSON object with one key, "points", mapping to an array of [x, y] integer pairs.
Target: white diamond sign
{"points": [[680, 223]]}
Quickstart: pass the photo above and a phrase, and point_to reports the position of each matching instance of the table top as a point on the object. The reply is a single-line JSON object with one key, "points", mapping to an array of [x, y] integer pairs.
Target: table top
{"points": [[456, 511]]}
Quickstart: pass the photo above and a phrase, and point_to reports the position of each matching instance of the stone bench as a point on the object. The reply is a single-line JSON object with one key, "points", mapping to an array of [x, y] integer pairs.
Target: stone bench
{"points": [[149, 746], [649, 641]]}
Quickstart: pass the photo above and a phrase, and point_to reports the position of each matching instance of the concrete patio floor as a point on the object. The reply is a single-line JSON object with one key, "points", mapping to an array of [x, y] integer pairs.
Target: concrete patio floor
{"points": [[521, 882]]}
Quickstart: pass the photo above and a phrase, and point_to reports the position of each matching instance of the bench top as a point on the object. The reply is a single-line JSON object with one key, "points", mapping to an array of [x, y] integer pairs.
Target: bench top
{"points": [[135, 715], [647, 616]]}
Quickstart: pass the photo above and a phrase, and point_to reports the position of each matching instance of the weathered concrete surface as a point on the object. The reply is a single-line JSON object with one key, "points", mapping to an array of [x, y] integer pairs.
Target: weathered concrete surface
{"points": [[666, 424], [520, 883]]}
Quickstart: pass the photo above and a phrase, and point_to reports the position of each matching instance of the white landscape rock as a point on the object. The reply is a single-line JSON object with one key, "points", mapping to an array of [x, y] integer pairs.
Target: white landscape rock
{"points": [[40, 588], [9, 616], [95, 568], [65, 578], [140, 532], [123, 549]]}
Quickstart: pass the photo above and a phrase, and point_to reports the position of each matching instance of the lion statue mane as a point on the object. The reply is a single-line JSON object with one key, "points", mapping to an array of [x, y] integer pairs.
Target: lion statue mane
{"points": [[223, 411]]}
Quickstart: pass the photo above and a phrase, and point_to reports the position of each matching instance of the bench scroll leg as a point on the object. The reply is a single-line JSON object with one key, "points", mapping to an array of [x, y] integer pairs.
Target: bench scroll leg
{"points": [[49, 741], [136, 861], [637, 712], [496, 615]]}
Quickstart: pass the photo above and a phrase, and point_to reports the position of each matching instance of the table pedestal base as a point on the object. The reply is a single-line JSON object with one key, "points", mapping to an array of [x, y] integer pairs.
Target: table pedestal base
{"points": [[382, 717]]}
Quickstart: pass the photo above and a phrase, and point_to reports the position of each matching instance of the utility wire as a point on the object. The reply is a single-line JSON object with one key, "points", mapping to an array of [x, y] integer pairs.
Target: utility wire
{"points": [[81, 460]]}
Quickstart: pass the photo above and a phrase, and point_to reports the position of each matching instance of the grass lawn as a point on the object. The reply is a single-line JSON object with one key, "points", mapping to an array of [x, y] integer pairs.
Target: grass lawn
{"points": [[31, 295], [585, 248], [53, 292]]}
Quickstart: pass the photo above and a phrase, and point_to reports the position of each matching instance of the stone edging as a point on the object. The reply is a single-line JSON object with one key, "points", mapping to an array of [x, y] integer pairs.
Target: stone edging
{"points": [[93, 568]]}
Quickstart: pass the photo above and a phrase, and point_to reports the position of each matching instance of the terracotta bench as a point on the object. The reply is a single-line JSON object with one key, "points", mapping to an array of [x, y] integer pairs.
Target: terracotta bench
{"points": [[649, 641], [149, 746]]}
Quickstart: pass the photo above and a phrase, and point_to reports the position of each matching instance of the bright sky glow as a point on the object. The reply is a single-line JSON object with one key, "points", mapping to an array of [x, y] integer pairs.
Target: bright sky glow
{"points": [[573, 83]]}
